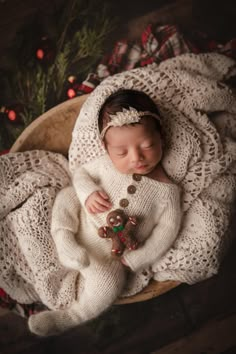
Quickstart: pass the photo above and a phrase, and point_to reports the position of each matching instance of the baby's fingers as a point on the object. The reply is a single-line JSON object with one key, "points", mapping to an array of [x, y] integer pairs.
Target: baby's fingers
{"points": [[103, 202], [103, 206], [96, 207], [103, 195]]}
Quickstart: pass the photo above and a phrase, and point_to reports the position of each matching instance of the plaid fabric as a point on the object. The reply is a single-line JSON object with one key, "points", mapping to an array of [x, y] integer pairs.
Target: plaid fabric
{"points": [[157, 43]]}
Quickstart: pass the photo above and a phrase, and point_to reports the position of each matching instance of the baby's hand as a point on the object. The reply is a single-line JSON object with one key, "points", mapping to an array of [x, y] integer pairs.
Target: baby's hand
{"points": [[98, 202]]}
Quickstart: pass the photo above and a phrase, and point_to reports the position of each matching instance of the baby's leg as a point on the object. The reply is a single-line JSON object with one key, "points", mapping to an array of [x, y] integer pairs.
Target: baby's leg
{"points": [[102, 285], [64, 228]]}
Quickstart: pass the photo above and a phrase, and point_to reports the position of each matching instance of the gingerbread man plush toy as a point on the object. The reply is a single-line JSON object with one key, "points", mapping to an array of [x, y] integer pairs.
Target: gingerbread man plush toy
{"points": [[120, 230]]}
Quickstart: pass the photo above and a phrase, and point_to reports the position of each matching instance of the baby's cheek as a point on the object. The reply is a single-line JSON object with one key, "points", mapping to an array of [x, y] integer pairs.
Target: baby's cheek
{"points": [[150, 156], [156, 155], [123, 167]]}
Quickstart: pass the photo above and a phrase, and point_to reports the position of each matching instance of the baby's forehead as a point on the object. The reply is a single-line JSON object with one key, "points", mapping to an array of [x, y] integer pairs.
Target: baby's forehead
{"points": [[148, 125], [126, 134]]}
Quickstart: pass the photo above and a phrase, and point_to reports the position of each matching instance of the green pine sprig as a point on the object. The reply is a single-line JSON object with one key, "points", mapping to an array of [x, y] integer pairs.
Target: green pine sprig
{"points": [[80, 40]]}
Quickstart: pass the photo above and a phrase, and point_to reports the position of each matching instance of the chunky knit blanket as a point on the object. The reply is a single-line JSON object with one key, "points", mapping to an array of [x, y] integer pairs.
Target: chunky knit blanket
{"points": [[198, 117]]}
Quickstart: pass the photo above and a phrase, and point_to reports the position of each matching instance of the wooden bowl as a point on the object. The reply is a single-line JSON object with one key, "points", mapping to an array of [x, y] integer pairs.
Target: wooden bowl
{"points": [[52, 131]]}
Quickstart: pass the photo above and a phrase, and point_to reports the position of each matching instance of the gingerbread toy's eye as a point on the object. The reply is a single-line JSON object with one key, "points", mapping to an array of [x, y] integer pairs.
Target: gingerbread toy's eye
{"points": [[111, 220], [118, 217]]}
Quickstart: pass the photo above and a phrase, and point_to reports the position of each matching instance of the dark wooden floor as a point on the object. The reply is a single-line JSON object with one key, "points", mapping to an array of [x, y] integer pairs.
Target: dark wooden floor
{"points": [[198, 319]]}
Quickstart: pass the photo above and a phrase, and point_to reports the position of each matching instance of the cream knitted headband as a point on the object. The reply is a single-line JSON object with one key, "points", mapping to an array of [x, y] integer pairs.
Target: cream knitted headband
{"points": [[125, 117]]}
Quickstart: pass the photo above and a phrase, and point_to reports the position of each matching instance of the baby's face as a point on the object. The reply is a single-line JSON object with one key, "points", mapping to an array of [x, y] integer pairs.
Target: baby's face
{"points": [[134, 148]]}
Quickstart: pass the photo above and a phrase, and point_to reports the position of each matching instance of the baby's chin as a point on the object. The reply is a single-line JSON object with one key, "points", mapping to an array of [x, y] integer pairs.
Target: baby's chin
{"points": [[146, 171], [139, 171], [142, 171]]}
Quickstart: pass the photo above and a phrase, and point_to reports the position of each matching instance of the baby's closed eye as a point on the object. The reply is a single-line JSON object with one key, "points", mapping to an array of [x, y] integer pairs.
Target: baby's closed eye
{"points": [[147, 145], [121, 153]]}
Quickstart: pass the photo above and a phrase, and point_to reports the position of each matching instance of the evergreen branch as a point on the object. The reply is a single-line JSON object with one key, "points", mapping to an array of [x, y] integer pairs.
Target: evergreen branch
{"points": [[37, 88], [32, 93], [90, 41], [60, 70]]}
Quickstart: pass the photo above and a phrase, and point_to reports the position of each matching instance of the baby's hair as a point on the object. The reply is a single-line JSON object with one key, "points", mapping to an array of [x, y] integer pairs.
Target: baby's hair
{"points": [[124, 98]]}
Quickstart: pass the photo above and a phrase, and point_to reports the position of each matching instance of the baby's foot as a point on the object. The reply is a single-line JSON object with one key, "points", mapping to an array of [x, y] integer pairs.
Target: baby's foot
{"points": [[48, 323], [44, 324]]}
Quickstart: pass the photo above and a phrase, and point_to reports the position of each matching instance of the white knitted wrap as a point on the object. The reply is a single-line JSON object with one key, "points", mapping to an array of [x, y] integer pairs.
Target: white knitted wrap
{"points": [[198, 118]]}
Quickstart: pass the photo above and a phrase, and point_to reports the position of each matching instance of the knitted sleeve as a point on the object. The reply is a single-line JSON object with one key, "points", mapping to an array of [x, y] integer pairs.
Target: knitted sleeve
{"points": [[64, 228], [84, 184], [161, 238]]}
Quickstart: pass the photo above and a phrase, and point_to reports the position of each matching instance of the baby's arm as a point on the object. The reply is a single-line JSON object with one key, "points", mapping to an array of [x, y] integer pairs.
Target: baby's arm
{"points": [[89, 193], [160, 240], [64, 228]]}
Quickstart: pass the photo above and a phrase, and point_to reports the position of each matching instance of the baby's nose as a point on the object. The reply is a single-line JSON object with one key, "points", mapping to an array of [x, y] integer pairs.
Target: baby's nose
{"points": [[136, 155]]}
